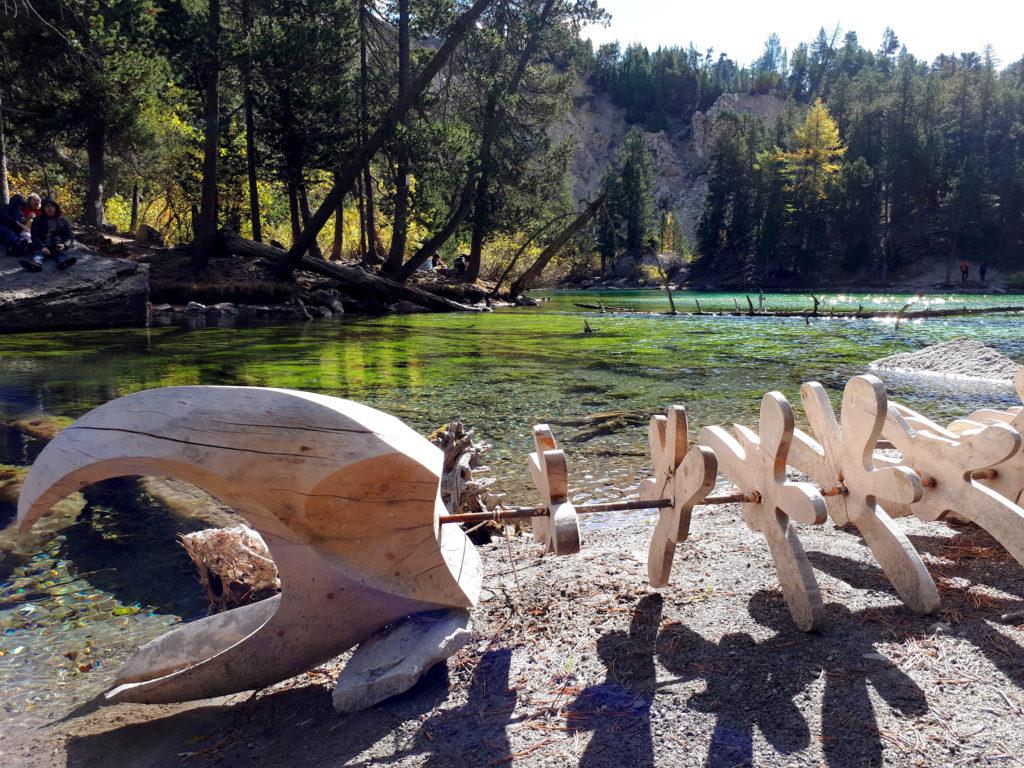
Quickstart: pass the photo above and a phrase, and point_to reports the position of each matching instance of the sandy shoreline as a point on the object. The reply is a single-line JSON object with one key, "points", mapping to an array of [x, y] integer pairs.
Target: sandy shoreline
{"points": [[581, 663]]}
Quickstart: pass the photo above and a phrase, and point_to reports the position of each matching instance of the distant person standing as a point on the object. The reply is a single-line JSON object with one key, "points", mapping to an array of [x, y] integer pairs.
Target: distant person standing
{"points": [[964, 270], [982, 270]]}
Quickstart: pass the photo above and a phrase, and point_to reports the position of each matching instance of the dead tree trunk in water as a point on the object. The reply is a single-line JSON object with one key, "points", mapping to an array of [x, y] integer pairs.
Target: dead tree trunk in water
{"points": [[206, 227], [369, 148], [531, 275]]}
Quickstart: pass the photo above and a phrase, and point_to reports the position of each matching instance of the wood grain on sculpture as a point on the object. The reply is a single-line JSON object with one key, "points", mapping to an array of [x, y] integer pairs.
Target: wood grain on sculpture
{"points": [[1008, 477], [684, 475], [841, 457], [946, 464], [756, 464], [346, 498]]}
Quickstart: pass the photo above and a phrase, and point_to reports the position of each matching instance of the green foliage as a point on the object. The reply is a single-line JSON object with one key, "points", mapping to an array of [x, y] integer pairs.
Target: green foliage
{"points": [[891, 160], [630, 223]]}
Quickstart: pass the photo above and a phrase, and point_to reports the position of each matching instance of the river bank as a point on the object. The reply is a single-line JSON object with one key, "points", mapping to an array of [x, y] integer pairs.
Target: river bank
{"points": [[577, 660]]}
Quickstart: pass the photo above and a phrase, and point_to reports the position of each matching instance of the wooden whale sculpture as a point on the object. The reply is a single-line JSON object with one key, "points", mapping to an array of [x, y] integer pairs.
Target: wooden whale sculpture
{"points": [[345, 496]]}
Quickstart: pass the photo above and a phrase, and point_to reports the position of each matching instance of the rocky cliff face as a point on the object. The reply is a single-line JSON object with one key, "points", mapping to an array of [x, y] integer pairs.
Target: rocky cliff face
{"points": [[679, 155]]}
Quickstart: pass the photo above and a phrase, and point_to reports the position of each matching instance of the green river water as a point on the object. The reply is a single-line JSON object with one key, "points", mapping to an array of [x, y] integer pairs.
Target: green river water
{"points": [[75, 596]]}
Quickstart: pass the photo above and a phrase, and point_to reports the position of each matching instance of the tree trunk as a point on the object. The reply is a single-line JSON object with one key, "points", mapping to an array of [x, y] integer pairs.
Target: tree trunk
{"points": [[371, 256], [368, 148], [400, 225], [134, 223], [480, 220], [497, 116], [5, 188], [434, 244], [338, 246], [360, 205], [206, 231], [293, 210], [355, 279], [314, 248], [250, 133], [95, 150], [531, 275]]}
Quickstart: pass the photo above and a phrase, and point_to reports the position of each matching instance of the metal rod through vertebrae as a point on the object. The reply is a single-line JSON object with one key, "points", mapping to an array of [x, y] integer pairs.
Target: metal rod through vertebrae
{"points": [[522, 513]]}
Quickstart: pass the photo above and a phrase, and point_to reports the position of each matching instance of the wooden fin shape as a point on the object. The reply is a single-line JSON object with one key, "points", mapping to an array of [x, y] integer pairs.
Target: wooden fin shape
{"points": [[685, 477], [756, 464], [948, 464], [847, 448], [559, 532]]}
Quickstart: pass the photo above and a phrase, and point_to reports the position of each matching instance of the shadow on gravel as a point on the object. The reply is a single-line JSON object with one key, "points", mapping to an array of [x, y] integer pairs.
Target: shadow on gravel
{"points": [[975, 564], [618, 711], [296, 726], [749, 684]]}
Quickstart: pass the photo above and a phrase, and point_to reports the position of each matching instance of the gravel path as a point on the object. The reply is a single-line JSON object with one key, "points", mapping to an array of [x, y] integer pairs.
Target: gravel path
{"points": [[576, 661]]}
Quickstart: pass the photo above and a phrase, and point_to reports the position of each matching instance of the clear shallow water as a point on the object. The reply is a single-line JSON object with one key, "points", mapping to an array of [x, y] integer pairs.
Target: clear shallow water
{"points": [[115, 577]]}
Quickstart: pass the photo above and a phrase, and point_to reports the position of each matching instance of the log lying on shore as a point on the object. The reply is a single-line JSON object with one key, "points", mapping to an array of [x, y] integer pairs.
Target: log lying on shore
{"points": [[379, 288], [842, 314]]}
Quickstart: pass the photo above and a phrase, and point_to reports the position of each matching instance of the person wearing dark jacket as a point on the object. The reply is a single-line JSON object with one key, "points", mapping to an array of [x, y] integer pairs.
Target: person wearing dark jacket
{"points": [[51, 236], [13, 229]]}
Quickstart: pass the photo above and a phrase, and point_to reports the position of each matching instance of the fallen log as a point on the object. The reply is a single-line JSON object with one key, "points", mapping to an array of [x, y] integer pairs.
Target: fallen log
{"points": [[857, 314], [380, 288]]}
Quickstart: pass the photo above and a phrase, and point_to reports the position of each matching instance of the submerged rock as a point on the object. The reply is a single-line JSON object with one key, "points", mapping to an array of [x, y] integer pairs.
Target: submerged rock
{"points": [[95, 292], [42, 427], [393, 660], [959, 358]]}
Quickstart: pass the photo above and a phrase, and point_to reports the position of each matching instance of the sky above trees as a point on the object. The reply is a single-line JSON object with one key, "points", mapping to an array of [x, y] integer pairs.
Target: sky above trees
{"points": [[739, 28]]}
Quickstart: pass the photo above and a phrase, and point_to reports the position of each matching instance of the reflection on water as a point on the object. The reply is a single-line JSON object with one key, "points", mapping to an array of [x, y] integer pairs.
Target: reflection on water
{"points": [[498, 372]]}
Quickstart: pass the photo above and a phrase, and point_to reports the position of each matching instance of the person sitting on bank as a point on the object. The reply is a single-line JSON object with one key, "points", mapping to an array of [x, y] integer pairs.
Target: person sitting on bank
{"points": [[14, 232], [460, 264], [32, 208], [51, 236], [437, 264]]}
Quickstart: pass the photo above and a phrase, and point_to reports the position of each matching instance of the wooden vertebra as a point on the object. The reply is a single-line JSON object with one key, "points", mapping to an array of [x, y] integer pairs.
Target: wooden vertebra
{"points": [[684, 476], [945, 465], [756, 464], [345, 497], [843, 458], [559, 531]]}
